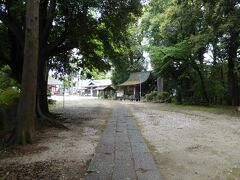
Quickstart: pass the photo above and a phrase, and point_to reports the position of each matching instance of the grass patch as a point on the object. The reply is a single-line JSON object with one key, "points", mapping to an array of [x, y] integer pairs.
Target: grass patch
{"points": [[228, 110], [234, 174]]}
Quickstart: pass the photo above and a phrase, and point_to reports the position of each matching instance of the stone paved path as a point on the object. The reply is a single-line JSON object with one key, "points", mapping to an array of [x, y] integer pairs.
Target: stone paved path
{"points": [[122, 153]]}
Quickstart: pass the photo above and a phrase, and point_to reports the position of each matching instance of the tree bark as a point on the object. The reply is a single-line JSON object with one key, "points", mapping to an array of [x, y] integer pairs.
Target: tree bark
{"points": [[16, 56], [233, 88], [16, 41], [42, 82], [24, 130], [199, 69], [204, 90], [232, 47]]}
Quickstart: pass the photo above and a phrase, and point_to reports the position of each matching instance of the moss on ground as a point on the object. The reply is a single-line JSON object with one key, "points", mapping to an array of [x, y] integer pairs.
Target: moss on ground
{"points": [[228, 110]]}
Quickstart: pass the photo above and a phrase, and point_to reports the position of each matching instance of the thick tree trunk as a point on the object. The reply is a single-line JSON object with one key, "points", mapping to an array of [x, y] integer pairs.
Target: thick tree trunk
{"points": [[204, 90], [199, 69], [42, 96], [25, 126], [44, 116], [232, 47], [16, 56], [45, 22], [16, 48], [46, 11], [42, 84], [233, 88]]}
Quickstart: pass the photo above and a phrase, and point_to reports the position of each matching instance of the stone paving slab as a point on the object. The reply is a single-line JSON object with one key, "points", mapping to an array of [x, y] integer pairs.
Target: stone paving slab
{"points": [[124, 169], [144, 161], [105, 148], [148, 175], [139, 147], [101, 167], [121, 153]]}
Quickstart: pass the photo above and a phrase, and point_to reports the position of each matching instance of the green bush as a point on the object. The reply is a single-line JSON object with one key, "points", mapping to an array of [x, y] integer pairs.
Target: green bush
{"points": [[158, 96], [8, 96], [5, 79], [151, 96], [48, 93], [163, 96], [51, 102]]}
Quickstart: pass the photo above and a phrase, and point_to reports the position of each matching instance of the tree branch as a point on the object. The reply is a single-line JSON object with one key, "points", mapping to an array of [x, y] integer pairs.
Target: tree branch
{"points": [[60, 49], [50, 18], [59, 42], [13, 28]]}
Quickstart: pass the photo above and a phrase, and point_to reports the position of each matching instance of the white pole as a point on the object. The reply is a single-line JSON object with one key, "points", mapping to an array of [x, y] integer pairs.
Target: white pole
{"points": [[140, 94], [140, 91], [63, 97]]}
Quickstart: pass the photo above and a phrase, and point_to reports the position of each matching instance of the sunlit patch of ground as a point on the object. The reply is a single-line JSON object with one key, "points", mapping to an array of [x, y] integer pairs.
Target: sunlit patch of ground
{"points": [[60, 154], [190, 144]]}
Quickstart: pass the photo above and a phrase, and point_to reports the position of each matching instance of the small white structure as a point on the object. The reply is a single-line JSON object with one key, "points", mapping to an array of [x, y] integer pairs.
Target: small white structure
{"points": [[94, 86]]}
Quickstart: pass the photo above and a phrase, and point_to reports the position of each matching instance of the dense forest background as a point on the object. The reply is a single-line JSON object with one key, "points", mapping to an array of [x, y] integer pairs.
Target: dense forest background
{"points": [[194, 46]]}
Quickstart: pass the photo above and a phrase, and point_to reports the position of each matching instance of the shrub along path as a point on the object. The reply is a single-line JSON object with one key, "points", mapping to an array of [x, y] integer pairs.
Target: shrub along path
{"points": [[122, 153]]}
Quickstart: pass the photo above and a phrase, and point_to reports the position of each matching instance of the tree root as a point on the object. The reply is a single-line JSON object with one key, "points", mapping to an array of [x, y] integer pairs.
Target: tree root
{"points": [[53, 122], [7, 139], [14, 138], [49, 119], [10, 138]]}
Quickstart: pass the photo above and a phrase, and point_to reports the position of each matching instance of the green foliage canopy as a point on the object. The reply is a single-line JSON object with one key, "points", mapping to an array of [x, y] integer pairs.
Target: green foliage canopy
{"points": [[181, 34]]}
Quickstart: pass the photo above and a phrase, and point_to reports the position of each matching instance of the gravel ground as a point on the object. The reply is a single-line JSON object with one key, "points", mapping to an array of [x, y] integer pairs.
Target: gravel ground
{"points": [[190, 145], [60, 154], [187, 144]]}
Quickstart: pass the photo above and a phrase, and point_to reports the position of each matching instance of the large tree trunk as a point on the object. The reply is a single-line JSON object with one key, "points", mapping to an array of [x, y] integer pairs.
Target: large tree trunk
{"points": [[45, 22], [199, 68], [42, 96], [233, 89], [15, 34], [44, 116], [16, 56], [46, 14], [25, 126], [232, 47], [42, 83]]}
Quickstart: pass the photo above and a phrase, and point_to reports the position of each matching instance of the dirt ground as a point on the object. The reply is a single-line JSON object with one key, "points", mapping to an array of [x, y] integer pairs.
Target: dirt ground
{"points": [[60, 154], [190, 144], [186, 144]]}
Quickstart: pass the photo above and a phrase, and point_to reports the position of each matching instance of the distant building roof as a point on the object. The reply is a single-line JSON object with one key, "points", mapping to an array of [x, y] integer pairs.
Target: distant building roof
{"points": [[98, 83], [101, 88], [136, 78], [102, 82], [53, 81]]}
